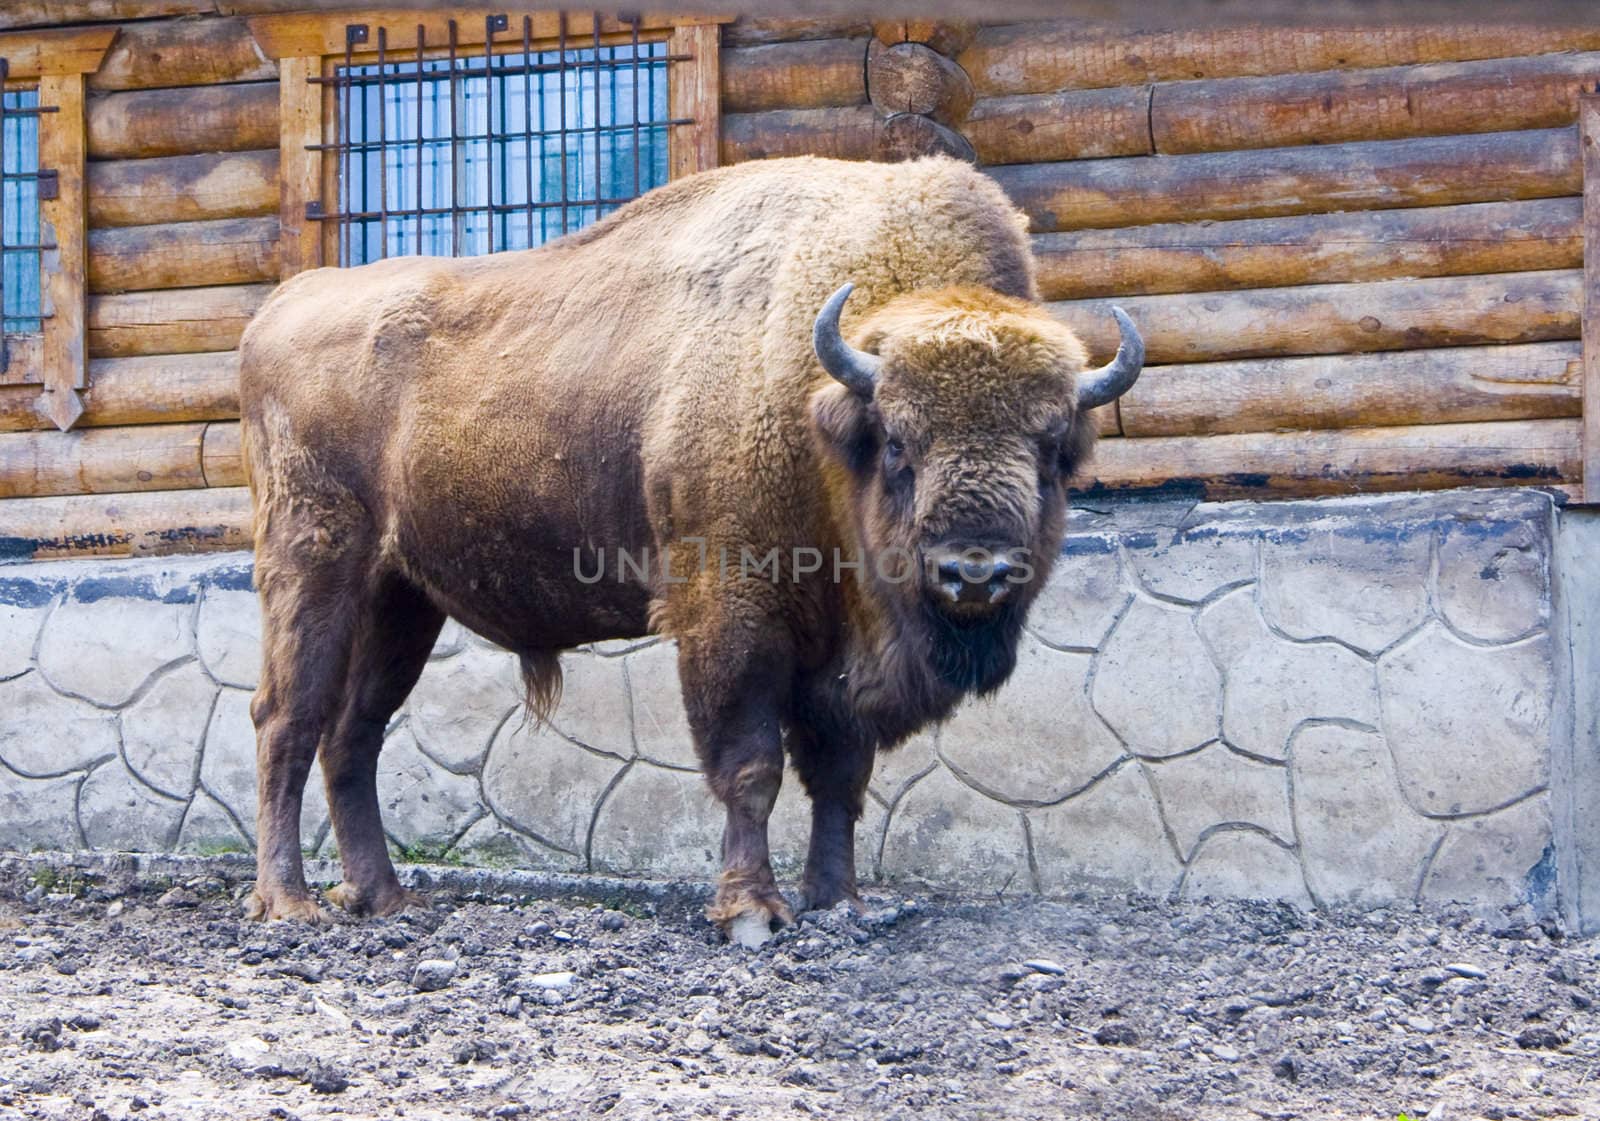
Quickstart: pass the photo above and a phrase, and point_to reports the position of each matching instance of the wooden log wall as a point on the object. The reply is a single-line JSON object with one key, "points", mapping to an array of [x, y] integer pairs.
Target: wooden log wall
{"points": [[1356, 252]]}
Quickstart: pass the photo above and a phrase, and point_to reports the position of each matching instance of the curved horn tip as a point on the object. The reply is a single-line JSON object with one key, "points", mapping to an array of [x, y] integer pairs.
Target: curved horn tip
{"points": [[1106, 384], [854, 368]]}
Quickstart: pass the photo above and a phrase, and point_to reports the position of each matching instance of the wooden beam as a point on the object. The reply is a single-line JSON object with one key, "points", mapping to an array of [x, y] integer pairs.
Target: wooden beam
{"points": [[152, 389], [171, 122], [183, 188], [182, 52], [1071, 125], [1484, 237], [1533, 381], [1376, 174], [1589, 128], [1061, 53], [749, 30], [64, 51], [183, 255], [1517, 307], [300, 106], [1496, 95], [318, 34], [138, 524], [807, 74], [693, 87], [179, 321], [1348, 461], [915, 78], [65, 353], [101, 460], [849, 133]]}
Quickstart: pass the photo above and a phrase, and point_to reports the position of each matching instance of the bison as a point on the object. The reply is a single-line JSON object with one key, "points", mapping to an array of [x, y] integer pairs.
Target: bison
{"points": [[844, 537]]}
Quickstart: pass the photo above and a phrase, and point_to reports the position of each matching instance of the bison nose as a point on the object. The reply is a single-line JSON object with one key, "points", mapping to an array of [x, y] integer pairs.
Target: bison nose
{"points": [[971, 577]]}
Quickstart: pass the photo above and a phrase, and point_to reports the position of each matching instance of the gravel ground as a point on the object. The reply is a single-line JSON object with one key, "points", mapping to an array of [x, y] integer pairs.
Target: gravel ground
{"points": [[149, 998]]}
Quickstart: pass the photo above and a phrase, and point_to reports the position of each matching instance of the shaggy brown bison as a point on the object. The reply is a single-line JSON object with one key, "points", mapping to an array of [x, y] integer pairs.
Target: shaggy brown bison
{"points": [[843, 539]]}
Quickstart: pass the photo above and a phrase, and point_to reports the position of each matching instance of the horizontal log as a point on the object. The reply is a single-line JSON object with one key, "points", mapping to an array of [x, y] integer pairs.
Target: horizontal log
{"points": [[138, 524], [1464, 383], [153, 389], [1073, 125], [171, 122], [747, 30], [179, 321], [1311, 249], [40, 13], [842, 133], [1348, 461], [1518, 307], [1498, 95], [183, 188], [221, 456], [807, 74], [101, 460], [1070, 54], [186, 52], [1375, 174], [915, 78], [183, 255]]}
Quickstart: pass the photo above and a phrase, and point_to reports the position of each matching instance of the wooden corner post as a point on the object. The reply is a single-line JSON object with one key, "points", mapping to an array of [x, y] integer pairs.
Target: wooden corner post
{"points": [[65, 368], [300, 164], [1589, 144], [694, 89]]}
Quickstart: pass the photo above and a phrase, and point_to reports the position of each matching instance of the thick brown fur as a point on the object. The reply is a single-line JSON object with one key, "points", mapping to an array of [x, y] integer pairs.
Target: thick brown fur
{"points": [[429, 438]]}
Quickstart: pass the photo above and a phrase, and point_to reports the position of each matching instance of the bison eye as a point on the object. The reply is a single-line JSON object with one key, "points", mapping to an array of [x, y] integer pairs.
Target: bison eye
{"points": [[894, 459]]}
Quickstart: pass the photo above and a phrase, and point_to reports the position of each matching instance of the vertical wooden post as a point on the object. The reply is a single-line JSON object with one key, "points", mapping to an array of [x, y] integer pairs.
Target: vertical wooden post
{"points": [[63, 219], [300, 168], [695, 92], [1589, 131]]}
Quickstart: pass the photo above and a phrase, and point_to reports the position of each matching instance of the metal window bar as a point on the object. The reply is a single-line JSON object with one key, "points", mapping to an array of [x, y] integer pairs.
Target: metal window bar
{"points": [[23, 183], [412, 133]]}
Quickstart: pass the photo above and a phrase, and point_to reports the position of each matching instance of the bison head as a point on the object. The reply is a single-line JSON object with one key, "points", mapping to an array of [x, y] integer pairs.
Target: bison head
{"points": [[954, 433]]}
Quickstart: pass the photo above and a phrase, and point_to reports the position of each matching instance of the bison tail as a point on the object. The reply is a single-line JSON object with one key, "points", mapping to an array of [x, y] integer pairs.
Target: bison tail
{"points": [[541, 684]]}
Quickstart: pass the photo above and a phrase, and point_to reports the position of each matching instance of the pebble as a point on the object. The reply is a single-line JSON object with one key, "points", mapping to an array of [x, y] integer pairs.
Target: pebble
{"points": [[1224, 1053], [116, 908], [1045, 965], [613, 921], [1466, 969], [433, 975], [179, 897], [1420, 1023], [1116, 1035], [555, 981], [999, 1020]]}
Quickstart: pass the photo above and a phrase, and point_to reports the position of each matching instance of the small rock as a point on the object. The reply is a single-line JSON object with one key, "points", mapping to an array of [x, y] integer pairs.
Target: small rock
{"points": [[326, 1080], [178, 897], [550, 996], [1045, 965], [433, 975], [613, 921], [563, 936], [84, 1021], [1541, 1038], [1420, 1023], [999, 1020], [1224, 1053], [555, 981], [1466, 969], [116, 908], [1116, 1035], [537, 929], [1287, 1068]]}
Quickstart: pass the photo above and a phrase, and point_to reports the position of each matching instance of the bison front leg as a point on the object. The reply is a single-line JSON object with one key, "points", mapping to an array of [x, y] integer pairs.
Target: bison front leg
{"points": [[734, 718], [835, 770]]}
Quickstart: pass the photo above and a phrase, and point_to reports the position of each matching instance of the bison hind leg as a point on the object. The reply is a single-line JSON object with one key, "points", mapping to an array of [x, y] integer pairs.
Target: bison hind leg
{"points": [[541, 683]]}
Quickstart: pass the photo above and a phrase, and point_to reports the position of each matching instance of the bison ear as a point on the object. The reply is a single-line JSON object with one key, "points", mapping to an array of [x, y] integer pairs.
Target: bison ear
{"points": [[844, 425]]}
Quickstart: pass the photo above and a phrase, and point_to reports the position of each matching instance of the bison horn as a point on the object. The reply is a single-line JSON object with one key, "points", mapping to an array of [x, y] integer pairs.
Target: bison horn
{"points": [[1102, 386], [855, 368]]}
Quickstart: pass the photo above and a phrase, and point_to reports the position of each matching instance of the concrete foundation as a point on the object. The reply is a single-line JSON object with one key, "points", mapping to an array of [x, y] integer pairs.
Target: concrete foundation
{"points": [[1343, 702]]}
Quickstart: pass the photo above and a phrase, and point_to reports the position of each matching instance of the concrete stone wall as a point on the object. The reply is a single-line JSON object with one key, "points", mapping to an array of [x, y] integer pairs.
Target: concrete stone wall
{"points": [[1335, 702]]}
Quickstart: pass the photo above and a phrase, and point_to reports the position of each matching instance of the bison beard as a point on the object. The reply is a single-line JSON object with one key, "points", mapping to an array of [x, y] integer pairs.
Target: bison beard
{"points": [[429, 439]]}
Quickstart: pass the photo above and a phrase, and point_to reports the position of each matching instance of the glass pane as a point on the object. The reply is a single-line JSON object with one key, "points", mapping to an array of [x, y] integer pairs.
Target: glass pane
{"points": [[20, 299], [543, 143]]}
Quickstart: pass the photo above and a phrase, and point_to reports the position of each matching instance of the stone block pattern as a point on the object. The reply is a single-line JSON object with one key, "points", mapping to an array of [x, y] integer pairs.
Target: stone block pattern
{"points": [[1335, 702]]}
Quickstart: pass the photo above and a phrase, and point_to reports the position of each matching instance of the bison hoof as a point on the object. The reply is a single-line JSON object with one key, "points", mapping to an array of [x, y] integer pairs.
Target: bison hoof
{"points": [[266, 907], [823, 899], [354, 901], [751, 930]]}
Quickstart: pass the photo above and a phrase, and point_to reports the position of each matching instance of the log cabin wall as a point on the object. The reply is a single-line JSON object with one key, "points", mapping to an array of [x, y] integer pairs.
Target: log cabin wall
{"points": [[1356, 254]]}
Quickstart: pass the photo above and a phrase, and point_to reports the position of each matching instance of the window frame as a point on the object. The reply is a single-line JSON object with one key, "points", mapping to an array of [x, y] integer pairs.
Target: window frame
{"points": [[309, 49], [57, 63]]}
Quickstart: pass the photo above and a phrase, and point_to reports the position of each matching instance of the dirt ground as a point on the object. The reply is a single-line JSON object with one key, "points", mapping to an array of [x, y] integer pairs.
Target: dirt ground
{"points": [[146, 996]]}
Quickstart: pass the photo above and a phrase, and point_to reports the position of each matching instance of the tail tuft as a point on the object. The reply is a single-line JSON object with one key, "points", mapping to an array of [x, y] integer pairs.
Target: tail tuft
{"points": [[541, 684]]}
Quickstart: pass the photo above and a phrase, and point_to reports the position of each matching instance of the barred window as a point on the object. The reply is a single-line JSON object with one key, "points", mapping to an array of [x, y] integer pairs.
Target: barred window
{"points": [[498, 149], [21, 300]]}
